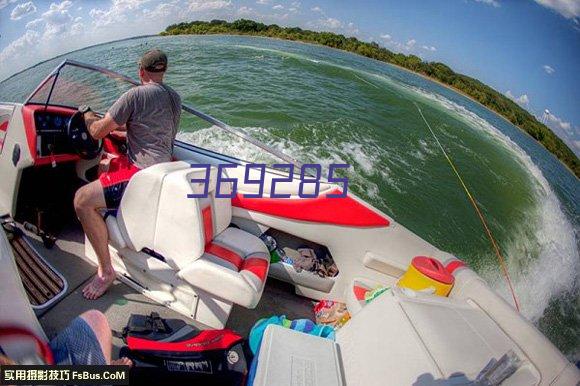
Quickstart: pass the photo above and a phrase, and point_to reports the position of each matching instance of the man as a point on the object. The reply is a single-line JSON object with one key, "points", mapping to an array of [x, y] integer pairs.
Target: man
{"points": [[150, 115], [87, 340]]}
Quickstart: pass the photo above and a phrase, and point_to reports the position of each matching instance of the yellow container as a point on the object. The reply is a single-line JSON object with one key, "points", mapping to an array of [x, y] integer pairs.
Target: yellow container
{"points": [[426, 273]]}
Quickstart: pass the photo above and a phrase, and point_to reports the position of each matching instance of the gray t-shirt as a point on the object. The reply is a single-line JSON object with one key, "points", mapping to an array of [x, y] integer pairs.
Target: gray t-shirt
{"points": [[151, 113]]}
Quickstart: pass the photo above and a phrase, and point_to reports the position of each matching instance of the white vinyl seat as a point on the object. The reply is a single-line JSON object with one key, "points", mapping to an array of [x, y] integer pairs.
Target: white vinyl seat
{"points": [[191, 234]]}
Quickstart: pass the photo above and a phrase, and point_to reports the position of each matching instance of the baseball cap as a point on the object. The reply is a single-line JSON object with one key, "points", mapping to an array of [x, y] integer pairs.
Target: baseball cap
{"points": [[154, 61]]}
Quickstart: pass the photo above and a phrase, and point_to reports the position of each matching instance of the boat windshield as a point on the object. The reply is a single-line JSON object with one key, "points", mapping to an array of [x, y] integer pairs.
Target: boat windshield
{"points": [[72, 86], [73, 83]]}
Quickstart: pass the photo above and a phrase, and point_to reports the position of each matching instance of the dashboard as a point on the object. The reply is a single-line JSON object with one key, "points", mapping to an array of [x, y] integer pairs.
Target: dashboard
{"points": [[51, 122], [51, 133]]}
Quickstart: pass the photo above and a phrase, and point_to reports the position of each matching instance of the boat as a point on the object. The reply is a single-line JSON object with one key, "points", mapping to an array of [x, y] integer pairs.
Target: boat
{"points": [[188, 246]]}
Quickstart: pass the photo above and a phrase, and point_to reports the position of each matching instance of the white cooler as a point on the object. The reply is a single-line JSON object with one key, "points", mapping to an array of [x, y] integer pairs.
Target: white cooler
{"points": [[291, 358]]}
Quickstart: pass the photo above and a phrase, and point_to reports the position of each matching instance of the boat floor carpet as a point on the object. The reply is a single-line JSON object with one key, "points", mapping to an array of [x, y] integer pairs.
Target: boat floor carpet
{"points": [[42, 283]]}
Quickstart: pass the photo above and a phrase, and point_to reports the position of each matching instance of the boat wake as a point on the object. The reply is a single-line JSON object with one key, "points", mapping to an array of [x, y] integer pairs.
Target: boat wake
{"points": [[545, 265], [363, 154]]}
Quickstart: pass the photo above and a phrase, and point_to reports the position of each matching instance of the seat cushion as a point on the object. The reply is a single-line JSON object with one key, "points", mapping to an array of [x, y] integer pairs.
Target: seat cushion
{"points": [[233, 267]]}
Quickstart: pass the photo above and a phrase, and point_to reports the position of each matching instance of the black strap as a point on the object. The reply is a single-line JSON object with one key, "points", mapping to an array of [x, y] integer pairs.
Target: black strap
{"points": [[117, 334]]}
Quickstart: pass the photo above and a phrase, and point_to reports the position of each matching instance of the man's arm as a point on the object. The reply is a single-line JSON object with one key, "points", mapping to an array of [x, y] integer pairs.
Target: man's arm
{"points": [[99, 128]]}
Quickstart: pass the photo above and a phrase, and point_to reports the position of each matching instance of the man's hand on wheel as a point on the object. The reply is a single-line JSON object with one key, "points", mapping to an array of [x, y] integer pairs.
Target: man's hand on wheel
{"points": [[90, 118]]}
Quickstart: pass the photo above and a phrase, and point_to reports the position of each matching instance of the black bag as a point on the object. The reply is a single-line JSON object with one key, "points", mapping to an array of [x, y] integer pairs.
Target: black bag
{"points": [[173, 352]]}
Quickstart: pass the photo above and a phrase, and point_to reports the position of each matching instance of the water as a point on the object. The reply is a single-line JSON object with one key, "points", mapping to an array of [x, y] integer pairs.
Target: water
{"points": [[326, 106]]}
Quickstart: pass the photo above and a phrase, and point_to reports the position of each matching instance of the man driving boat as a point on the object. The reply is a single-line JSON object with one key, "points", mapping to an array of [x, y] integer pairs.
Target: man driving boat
{"points": [[150, 115]]}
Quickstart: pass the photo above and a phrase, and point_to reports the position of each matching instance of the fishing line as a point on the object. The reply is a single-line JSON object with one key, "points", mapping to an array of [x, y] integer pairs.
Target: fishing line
{"points": [[366, 81], [479, 213]]}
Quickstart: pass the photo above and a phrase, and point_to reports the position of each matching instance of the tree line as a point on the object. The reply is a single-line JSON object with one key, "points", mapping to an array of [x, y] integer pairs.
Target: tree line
{"points": [[475, 89]]}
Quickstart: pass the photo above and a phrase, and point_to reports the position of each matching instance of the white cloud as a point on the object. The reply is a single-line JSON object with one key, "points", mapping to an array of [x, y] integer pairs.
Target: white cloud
{"points": [[34, 24], [549, 69], [522, 100], [493, 3], [410, 45], [570, 9], [330, 22], [117, 13], [22, 10], [564, 129], [56, 21], [352, 29], [245, 10], [316, 9], [263, 2], [57, 18], [552, 120], [208, 5], [24, 43], [278, 6], [58, 30], [5, 3], [295, 6], [163, 10]]}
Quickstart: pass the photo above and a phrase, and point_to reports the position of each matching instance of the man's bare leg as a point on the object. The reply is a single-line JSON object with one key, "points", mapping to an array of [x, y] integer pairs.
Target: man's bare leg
{"points": [[100, 326], [88, 200]]}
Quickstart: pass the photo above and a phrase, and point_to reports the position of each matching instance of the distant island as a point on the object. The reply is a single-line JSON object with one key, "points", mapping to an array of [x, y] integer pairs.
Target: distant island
{"points": [[439, 72]]}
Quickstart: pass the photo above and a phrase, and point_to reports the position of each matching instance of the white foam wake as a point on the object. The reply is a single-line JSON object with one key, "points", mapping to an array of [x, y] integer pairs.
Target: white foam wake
{"points": [[363, 154], [549, 265]]}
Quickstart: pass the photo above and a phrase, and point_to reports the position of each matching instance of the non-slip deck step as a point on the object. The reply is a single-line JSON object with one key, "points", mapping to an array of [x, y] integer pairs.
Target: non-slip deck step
{"points": [[42, 283]]}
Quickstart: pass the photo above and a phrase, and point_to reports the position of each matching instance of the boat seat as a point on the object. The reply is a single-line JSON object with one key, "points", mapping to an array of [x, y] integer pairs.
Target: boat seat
{"points": [[193, 235]]}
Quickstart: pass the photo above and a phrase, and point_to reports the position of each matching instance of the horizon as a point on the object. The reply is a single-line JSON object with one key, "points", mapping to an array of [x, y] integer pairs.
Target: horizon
{"points": [[536, 41]]}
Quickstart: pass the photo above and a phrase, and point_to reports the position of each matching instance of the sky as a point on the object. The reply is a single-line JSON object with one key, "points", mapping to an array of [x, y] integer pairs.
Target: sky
{"points": [[527, 49]]}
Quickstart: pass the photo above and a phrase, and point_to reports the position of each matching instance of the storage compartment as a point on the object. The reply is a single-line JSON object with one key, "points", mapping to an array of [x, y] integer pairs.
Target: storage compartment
{"points": [[286, 272], [45, 197], [295, 265]]}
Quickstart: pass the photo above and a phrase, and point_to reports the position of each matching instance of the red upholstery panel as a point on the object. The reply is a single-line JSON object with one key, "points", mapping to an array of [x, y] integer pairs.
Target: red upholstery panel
{"points": [[337, 211], [257, 266], [207, 224], [225, 254]]}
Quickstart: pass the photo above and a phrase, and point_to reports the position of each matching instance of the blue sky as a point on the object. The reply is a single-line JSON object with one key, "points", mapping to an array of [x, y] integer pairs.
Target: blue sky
{"points": [[526, 49]]}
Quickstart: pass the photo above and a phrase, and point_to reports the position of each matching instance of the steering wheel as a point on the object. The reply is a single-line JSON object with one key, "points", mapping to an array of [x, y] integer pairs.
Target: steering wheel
{"points": [[80, 139]]}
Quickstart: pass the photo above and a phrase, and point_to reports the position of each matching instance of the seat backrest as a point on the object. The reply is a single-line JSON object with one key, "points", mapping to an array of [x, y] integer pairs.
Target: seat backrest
{"points": [[156, 212]]}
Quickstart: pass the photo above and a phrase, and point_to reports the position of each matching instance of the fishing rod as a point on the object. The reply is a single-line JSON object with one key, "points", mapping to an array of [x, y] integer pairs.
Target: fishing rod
{"points": [[477, 210]]}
